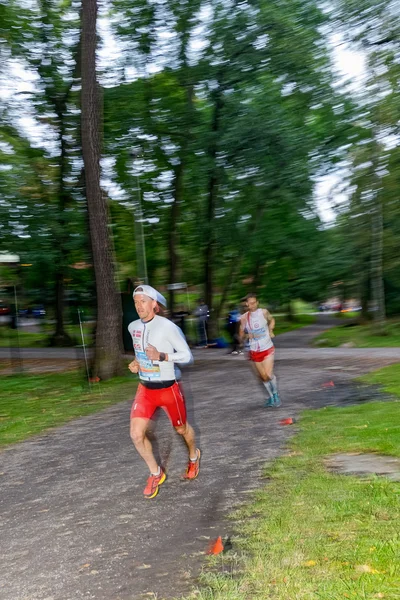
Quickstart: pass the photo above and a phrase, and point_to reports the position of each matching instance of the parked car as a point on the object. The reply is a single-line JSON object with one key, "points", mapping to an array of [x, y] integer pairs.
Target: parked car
{"points": [[38, 311], [4, 309]]}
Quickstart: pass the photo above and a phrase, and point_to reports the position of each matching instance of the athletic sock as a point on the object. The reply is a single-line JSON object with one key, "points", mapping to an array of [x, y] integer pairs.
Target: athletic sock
{"points": [[158, 472], [273, 385], [268, 388]]}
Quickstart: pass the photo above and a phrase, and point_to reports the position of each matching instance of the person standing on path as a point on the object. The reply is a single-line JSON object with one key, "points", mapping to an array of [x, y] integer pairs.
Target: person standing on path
{"points": [[233, 327], [159, 345], [201, 313], [257, 325]]}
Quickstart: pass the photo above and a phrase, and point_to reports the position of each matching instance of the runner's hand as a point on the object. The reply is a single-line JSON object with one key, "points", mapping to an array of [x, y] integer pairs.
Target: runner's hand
{"points": [[134, 366], [152, 353]]}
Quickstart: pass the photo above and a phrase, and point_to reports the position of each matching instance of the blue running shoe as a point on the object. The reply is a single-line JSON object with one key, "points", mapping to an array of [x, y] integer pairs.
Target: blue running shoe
{"points": [[276, 401], [269, 402]]}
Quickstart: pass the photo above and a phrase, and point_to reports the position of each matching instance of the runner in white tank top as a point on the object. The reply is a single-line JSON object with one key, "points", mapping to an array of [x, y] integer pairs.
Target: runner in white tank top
{"points": [[257, 325], [258, 330]]}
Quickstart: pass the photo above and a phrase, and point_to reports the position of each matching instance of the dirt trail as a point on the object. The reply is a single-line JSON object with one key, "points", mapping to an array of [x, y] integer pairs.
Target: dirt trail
{"points": [[74, 523]]}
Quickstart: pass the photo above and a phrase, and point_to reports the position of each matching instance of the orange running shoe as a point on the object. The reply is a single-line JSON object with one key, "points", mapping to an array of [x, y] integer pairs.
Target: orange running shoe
{"points": [[193, 468], [153, 483]]}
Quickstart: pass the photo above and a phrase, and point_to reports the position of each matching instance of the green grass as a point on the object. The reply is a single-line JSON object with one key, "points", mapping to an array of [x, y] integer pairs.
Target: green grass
{"points": [[311, 534], [388, 378], [30, 404], [300, 307], [283, 325], [10, 337], [362, 336], [348, 315]]}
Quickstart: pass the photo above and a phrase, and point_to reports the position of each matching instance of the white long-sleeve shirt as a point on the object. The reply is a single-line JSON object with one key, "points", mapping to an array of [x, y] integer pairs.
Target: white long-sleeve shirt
{"points": [[166, 337]]}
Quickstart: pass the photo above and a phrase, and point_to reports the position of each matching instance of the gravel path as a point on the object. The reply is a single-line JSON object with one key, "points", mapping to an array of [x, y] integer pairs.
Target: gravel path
{"points": [[73, 522]]}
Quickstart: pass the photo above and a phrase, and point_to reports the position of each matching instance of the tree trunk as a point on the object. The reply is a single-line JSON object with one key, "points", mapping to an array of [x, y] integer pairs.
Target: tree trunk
{"points": [[232, 272], [257, 273], [289, 313], [173, 232], [365, 293], [377, 286], [209, 253], [58, 98], [108, 347], [178, 184], [211, 205], [60, 336]]}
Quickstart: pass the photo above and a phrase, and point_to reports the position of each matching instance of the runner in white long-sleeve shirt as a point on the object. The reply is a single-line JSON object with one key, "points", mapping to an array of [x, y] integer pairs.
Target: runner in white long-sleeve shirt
{"points": [[159, 345]]}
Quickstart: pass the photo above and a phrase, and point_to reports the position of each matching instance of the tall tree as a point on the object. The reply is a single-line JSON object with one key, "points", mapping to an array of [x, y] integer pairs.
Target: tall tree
{"points": [[372, 27], [108, 347], [47, 45]]}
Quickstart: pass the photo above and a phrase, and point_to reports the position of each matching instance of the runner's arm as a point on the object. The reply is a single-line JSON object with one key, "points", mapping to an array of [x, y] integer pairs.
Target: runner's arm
{"points": [[242, 333], [181, 353], [271, 322]]}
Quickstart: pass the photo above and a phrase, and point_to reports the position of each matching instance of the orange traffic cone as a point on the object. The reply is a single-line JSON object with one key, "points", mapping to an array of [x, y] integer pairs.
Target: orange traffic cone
{"points": [[216, 547]]}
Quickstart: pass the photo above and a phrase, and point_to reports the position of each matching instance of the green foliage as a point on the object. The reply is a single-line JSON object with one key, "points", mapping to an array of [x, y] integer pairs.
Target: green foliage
{"points": [[215, 144], [262, 176], [42, 208]]}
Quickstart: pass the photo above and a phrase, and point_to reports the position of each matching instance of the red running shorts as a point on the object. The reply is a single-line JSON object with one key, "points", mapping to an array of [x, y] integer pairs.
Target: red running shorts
{"points": [[170, 399], [259, 356]]}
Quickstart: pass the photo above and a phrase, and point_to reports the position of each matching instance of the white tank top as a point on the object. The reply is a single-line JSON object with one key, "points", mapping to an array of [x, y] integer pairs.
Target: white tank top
{"points": [[257, 325]]}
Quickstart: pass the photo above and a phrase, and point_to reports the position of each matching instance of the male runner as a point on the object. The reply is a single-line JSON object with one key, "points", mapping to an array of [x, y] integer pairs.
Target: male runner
{"points": [[257, 325], [159, 345]]}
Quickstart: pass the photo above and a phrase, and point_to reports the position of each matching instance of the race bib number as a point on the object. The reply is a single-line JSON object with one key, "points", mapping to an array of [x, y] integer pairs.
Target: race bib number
{"points": [[147, 369]]}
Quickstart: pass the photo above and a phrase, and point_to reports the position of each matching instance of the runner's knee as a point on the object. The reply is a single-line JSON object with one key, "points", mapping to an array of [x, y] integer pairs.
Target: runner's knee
{"points": [[137, 436], [265, 377], [181, 429]]}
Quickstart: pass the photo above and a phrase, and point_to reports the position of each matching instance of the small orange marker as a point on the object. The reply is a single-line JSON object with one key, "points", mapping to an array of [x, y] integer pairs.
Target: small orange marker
{"points": [[216, 547], [328, 384], [288, 421]]}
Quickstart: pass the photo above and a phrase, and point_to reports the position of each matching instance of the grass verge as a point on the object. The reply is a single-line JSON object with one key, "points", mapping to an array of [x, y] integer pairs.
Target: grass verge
{"points": [[283, 325], [40, 339], [30, 404], [311, 534], [360, 336], [388, 378]]}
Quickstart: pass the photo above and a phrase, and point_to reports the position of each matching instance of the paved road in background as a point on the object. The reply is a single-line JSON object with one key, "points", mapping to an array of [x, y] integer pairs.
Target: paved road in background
{"points": [[73, 522]]}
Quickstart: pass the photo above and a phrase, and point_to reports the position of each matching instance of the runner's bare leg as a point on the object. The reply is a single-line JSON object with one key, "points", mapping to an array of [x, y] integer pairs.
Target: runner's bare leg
{"points": [[142, 443], [187, 432]]}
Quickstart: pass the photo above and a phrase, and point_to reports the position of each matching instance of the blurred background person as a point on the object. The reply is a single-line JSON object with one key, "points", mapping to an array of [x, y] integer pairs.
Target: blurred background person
{"points": [[179, 317], [201, 313], [233, 327]]}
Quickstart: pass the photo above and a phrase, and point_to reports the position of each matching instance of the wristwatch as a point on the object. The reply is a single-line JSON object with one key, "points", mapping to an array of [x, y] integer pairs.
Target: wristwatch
{"points": [[162, 357]]}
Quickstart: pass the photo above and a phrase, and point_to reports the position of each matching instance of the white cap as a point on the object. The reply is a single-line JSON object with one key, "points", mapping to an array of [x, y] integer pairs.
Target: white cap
{"points": [[149, 291]]}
